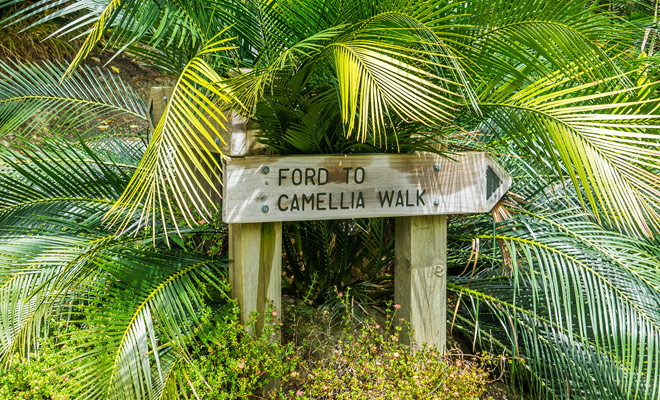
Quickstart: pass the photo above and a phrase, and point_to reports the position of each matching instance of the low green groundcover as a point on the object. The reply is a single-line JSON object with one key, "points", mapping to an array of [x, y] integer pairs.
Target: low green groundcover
{"points": [[367, 361]]}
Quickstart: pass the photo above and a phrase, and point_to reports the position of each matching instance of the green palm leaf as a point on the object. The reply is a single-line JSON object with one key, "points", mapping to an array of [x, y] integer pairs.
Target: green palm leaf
{"points": [[513, 41], [572, 304], [58, 260], [178, 159], [31, 97], [605, 141], [386, 66], [51, 273], [161, 313], [581, 308], [57, 177], [53, 198], [122, 22]]}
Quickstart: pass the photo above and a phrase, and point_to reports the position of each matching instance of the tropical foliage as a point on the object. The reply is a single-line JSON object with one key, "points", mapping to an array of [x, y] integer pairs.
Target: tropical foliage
{"points": [[58, 260], [563, 276]]}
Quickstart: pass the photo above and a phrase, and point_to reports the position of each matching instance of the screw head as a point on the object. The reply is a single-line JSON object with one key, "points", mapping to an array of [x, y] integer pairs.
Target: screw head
{"points": [[265, 170], [264, 209], [436, 202], [436, 167]]}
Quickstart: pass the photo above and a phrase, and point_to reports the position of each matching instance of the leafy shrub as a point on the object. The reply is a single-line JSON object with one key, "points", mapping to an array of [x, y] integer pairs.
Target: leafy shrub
{"points": [[373, 363], [228, 362], [34, 378], [44, 375], [368, 361], [235, 364]]}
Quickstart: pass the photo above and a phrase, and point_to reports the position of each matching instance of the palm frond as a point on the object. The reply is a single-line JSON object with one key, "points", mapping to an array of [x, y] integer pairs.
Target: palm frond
{"points": [[580, 309], [31, 97], [58, 260], [50, 274], [180, 156], [123, 23], [387, 66], [512, 41], [53, 198], [259, 29], [134, 331], [605, 141], [56, 178]]}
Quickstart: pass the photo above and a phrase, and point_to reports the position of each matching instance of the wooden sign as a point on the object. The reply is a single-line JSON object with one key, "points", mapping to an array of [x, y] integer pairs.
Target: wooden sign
{"points": [[295, 188]]}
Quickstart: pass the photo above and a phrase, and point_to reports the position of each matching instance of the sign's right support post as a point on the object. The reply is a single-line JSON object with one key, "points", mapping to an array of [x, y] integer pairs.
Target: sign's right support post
{"points": [[420, 277]]}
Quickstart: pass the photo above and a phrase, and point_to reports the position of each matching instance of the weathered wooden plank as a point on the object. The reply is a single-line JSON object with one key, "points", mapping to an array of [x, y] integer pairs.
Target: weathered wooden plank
{"points": [[420, 283], [295, 188]]}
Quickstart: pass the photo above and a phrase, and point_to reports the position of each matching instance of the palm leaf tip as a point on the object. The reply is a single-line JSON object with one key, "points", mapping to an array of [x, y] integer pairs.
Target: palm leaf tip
{"points": [[32, 98], [406, 71], [605, 144], [179, 174]]}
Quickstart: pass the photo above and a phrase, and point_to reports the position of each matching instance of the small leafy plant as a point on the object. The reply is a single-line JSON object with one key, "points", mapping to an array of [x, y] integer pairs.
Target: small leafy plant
{"points": [[230, 362], [44, 374], [236, 364], [372, 362]]}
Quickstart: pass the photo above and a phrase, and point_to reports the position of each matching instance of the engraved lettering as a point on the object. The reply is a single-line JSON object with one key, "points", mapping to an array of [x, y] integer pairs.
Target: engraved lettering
{"points": [[279, 202], [399, 199], [386, 197], [307, 200], [408, 203], [347, 169], [309, 176], [359, 171], [281, 176], [323, 176], [360, 201], [330, 202], [293, 177], [320, 201], [419, 197], [341, 201], [295, 206]]}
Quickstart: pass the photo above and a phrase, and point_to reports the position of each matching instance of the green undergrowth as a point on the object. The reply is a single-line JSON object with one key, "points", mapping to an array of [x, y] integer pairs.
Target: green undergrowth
{"points": [[348, 358], [44, 374], [370, 360]]}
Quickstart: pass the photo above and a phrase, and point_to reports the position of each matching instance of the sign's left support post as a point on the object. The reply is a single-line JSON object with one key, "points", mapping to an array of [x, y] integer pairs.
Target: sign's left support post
{"points": [[255, 250]]}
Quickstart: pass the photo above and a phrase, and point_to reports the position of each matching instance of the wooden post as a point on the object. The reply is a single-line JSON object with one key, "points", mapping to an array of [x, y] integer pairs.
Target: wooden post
{"points": [[158, 98], [420, 277], [255, 249]]}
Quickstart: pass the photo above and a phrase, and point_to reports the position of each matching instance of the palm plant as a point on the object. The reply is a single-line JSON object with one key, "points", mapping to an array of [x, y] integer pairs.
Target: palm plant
{"points": [[142, 303], [564, 274]]}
